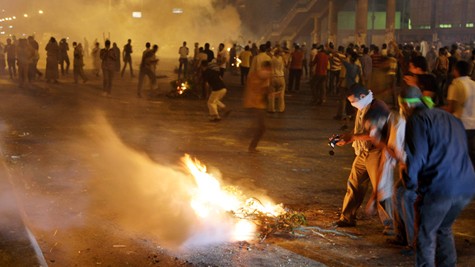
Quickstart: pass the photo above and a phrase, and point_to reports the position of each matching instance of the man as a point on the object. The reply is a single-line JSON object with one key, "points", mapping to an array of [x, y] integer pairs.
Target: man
{"points": [[387, 130], [127, 58], [10, 50], [245, 57], [259, 59], [63, 56], [147, 68], [295, 68], [222, 59], [461, 102], [209, 52], [33, 70], [108, 57], [117, 56], [212, 78], [420, 77], [438, 168], [78, 63], [277, 87], [183, 60], [335, 68], [255, 99], [365, 165], [321, 65]]}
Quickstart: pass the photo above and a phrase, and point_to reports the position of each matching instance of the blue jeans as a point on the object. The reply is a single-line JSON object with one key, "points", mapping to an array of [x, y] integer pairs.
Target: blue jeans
{"points": [[435, 241]]}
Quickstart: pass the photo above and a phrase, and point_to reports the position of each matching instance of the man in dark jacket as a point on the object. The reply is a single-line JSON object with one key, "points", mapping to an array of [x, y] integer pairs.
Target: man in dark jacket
{"points": [[438, 168]]}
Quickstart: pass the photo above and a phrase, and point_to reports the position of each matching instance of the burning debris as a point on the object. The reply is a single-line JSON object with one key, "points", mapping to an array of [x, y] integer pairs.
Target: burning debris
{"points": [[252, 217], [182, 88]]}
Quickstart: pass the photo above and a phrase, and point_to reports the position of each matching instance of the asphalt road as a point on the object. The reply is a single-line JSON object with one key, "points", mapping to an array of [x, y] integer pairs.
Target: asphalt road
{"points": [[83, 166]]}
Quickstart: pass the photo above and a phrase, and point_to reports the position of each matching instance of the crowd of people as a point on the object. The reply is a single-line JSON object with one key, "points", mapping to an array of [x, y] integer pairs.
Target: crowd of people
{"points": [[414, 133], [413, 112]]}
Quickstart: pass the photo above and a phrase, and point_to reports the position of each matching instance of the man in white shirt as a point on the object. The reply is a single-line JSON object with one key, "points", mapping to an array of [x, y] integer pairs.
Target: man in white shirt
{"points": [[461, 102], [222, 59], [183, 51]]}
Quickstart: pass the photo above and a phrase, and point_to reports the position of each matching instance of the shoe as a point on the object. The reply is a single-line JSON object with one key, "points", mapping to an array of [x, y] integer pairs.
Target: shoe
{"points": [[215, 120], [226, 113], [396, 241], [407, 251], [252, 150], [388, 231], [344, 223]]}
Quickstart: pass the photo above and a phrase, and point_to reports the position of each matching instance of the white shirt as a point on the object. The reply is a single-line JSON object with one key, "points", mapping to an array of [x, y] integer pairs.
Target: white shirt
{"points": [[183, 51], [462, 90]]}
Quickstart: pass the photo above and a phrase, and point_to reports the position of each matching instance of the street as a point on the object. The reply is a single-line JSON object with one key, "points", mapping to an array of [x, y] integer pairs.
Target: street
{"points": [[85, 167]]}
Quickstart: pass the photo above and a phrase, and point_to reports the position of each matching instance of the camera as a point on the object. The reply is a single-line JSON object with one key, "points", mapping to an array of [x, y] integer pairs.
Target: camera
{"points": [[332, 143]]}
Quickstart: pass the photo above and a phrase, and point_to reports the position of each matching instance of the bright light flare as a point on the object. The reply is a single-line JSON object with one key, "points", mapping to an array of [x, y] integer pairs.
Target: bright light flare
{"points": [[177, 10], [238, 62], [40, 11], [211, 200], [182, 87]]}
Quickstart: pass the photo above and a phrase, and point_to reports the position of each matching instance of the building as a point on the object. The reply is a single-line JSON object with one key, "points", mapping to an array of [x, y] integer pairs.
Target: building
{"points": [[375, 21]]}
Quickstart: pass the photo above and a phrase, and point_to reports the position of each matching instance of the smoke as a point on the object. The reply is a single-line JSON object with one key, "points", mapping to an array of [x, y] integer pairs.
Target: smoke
{"points": [[142, 195], [201, 21]]}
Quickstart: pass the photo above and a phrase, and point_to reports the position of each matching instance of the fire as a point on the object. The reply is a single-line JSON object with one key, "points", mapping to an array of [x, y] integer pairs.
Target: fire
{"points": [[238, 62], [182, 87], [212, 200]]}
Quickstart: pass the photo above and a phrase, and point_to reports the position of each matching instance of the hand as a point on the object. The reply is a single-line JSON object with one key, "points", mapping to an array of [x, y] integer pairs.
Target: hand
{"points": [[410, 80], [345, 139]]}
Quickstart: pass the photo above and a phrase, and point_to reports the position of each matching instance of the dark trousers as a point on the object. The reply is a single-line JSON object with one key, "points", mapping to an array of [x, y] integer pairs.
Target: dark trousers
{"points": [[11, 67], [127, 62], [64, 70], [319, 92], [471, 145], [244, 73], [404, 214], [294, 79], [258, 128], [150, 74], [434, 217], [183, 67], [333, 78], [78, 71], [107, 79]]}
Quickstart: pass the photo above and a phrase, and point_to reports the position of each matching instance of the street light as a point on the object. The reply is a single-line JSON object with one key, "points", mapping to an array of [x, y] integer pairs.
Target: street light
{"points": [[40, 12], [25, 15]]}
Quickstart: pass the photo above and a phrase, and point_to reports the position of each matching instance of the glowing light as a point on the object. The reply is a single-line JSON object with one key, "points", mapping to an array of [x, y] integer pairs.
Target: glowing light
{"points": [[13, 17], [40, 11], [25, 15], [211, 200], [136, 14], [238, 62], [177, 10], [182, 87]]}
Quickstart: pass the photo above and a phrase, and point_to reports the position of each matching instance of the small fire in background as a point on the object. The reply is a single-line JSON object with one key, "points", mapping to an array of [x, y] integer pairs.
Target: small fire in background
{"points": [[238, 62], [252, 217], [182, 86]]}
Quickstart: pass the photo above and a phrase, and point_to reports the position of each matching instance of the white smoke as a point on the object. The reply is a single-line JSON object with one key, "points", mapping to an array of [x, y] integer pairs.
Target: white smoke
{"points": [[201, 21]]}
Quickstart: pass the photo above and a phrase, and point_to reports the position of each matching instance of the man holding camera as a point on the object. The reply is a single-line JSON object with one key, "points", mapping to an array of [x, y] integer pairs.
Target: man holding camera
{"points": [[365, 165]]}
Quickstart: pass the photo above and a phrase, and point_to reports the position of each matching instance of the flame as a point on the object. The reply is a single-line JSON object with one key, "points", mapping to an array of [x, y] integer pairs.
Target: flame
{"points": [[212, 200], [238, 62], [182, 87]]}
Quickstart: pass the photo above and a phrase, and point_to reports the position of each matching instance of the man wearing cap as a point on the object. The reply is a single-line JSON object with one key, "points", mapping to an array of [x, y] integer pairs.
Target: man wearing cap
{"points": [[365, 165], [438, 168]]}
